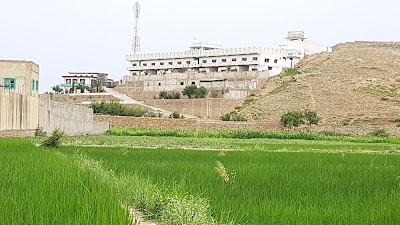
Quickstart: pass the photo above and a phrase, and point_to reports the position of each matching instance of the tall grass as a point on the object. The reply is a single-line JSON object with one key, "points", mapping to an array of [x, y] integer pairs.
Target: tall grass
{"points": [[271, 188], [41, 187], [248, 134]]}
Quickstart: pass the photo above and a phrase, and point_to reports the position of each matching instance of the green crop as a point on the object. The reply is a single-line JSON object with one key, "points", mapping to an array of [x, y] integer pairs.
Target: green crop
{"points": [[248, 134], [42, 187], [267, 187]]}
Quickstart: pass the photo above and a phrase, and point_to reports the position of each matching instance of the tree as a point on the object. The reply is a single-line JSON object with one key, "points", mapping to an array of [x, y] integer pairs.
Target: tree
{"points": [[292, 119], [189, 91], [98, 84], [193, 91], [57, 89]]}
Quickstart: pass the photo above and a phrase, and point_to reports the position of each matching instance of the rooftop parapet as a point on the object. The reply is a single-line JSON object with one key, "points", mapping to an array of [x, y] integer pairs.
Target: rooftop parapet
{"points": [[206, 53]]}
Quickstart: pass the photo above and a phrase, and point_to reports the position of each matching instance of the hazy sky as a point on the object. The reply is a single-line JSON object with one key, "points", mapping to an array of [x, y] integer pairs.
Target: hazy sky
{"points": [[96, 35]]}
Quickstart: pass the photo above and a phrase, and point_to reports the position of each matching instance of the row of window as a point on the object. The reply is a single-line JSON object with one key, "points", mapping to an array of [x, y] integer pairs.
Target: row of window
{"points": [[205, 61]]}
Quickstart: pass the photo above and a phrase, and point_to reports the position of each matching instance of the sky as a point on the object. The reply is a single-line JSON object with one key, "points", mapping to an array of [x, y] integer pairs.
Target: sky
{"points": [[96, 35]]}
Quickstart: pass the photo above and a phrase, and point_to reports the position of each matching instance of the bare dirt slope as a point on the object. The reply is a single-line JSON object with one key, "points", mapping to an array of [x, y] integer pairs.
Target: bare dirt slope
{"points": [[356, 88]]}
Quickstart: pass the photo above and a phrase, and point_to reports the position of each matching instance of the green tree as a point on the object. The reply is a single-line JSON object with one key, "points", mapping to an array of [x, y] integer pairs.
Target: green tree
{"points": [[194, 91], [57, 89]]}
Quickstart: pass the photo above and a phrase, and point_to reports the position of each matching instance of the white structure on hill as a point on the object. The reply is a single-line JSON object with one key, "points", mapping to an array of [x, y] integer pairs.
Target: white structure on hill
{"points": [[75, 79], [209, 58]]}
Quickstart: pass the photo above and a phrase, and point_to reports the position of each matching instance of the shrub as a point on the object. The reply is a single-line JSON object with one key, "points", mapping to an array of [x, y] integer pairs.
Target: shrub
{"points": [[54, 140], [175, 115], [292, 72], [311, 117], [39, 132], [233, 116], [292, 119], [379, 133], [116, 109], [194, 91]]}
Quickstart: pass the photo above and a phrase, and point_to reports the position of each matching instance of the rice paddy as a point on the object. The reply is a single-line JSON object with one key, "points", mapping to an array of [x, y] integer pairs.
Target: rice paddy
{"points": [[230, 181]]}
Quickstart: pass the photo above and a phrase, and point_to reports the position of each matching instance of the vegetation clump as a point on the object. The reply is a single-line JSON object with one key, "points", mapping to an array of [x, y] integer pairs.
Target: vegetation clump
{"points": [[379, 133], [233, 116], [194, 92], [115, 108], [292, 72], [169, 95], [293, 119], [54, 140], [176, 115]]}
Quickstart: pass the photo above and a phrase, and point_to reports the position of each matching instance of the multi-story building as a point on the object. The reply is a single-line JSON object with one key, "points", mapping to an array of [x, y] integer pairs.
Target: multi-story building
{"points": [[211, 66], [75, 79], [208, 58]]}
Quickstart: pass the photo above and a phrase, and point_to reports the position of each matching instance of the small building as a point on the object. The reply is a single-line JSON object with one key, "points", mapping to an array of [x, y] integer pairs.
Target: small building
{"points": [[19, 95], [85, 79]]}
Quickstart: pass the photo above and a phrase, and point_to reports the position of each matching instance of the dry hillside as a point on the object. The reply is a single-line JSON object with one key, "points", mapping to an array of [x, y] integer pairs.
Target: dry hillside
{"points": [[356, 88]]}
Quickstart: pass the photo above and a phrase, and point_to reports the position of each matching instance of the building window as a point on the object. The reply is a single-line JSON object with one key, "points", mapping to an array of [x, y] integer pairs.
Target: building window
{"points": [[204, 61], [37, 85], [214, 60], [193, 83], [188, 62], [254, 69], [82, 81], [161, 64], [134, 64], [284, 58], [144, 64], [75, 81], [255, 58], [270, 68], [179, 63], [244, 59], [275, 61], [267, 60], [159, 84], [10, 83], [291, 58], [148, 84], [33, 84], [153, 64], [170, 63], [68, 81], [182, 83], [234, 60], [223, 60]]}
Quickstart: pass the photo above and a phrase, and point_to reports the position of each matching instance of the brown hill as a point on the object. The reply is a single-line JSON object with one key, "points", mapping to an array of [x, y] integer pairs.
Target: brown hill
{"points": [[354, 89]]}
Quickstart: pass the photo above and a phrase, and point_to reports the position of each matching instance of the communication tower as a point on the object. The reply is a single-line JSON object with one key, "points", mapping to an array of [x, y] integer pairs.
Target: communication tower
{"points": [[136, 37]]}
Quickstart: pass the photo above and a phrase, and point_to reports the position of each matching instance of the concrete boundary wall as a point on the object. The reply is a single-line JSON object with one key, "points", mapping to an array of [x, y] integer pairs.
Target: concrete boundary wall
{"points": [[71, 119], [17, 111]]}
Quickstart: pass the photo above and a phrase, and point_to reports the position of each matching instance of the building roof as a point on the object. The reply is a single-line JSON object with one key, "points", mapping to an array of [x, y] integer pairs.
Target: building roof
{"points": [[18, 61]]}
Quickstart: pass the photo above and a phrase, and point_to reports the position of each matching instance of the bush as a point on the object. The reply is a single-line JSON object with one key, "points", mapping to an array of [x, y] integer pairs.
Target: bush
{"points": [[233, 116], [297, 118], [379, 133], [54, 140], [116, 109], [175, 115], [194, 91], [292, 119], [169, 95], [39, 132]]}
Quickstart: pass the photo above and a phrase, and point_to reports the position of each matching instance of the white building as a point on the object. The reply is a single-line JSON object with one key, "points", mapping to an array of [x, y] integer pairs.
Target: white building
{"points": [[75, 79], [209, 58]]}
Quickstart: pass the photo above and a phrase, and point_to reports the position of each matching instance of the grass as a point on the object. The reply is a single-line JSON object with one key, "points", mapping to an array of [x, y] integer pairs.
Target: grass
{"points": [[42, 187], [381, 90], [268, 187], [292, 72], [281, 87], [224, 143], [248, 134]]}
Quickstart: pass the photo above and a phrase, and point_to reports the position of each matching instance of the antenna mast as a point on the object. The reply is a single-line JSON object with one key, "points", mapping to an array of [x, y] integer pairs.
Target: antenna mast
{"points": [[136, 38]]}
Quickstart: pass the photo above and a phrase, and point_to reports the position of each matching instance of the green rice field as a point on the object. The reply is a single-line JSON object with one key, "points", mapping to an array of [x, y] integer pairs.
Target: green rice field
{"points": [[208, 180]]}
